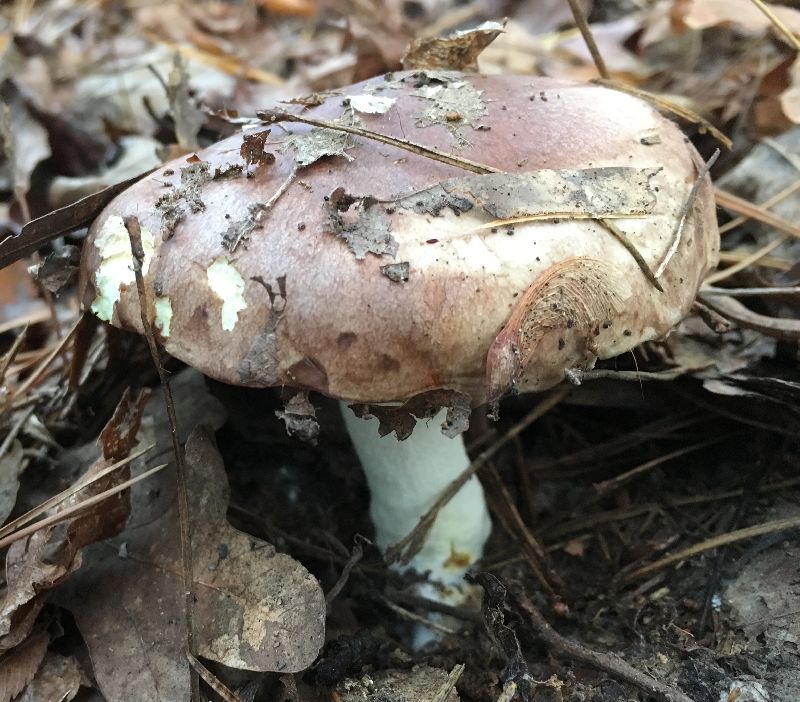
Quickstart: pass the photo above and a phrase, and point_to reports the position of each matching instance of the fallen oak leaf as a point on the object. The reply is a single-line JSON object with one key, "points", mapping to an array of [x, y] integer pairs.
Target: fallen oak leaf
{"points": [[256, 609]]}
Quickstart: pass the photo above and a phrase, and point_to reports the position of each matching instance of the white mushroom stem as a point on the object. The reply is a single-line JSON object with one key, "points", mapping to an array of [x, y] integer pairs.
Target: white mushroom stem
{"points": [[405, 478]]}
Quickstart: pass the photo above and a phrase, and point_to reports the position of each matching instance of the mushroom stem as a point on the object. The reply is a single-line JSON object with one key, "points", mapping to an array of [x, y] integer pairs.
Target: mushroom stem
{"points": [[405, 478]]}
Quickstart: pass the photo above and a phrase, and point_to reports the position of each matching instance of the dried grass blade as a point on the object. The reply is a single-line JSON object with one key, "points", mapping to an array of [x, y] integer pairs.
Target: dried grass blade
{"points": [[740, 206], [69, 492], [731, 537], [76, 509]]}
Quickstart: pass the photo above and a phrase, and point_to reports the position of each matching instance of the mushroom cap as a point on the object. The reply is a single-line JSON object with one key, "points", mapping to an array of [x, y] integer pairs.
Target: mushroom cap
{"points": [[380, 274]]}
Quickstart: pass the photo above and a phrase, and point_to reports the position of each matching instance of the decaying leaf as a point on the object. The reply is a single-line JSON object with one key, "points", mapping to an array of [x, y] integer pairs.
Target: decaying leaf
{"points": [[362, 223], [35, 565], [403, 418], [58, 678], [18, 667], [458, 52], [589, 193], [256, 609], [311, 146], [420, 684], [495, 616], [452, 103], [173, 206], [299, 416], [11, 466]]}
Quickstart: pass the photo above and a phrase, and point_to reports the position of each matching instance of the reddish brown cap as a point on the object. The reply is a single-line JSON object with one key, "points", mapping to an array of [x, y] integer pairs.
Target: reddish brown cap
{"points": [[380, 274]]}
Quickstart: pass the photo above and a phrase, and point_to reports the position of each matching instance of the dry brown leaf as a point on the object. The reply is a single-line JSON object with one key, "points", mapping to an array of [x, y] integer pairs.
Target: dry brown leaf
{"points": [[11, 466], [58, 679], [18, 667], [256, 609], [37, 564], [458, 52], [702, 14]]}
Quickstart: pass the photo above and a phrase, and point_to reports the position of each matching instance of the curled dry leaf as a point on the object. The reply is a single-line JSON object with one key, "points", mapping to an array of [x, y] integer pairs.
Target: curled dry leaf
{"points": [[256, 609], [37, 564], [458, 52]]}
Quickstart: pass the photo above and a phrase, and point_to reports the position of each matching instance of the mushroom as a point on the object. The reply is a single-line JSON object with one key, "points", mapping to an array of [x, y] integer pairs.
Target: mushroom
{"points": [[572, 223]]}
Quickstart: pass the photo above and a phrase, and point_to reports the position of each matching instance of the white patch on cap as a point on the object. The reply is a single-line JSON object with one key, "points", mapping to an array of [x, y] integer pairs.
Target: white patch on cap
{"points": [[228, 285], [371, 104], [116, 264], [163, 307]]}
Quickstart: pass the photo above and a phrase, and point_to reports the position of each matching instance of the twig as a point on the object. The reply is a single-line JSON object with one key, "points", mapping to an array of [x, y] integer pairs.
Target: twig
{"points": [[620, 236], [598, 519], [771, 202], [443, 693], [535, 554], [684, 213], [618, 481], [740, 206], [46, 361], [586, 33], [76, 509], [355, 557], [405, 549], [135, 235], [15, 430], [212, 680], [272, 116], [749, 494], [670, 107], [750, 292], [747, 261], [417, 618], [778, 22], [11, 354], [580, 377], [731, 537], [607, 662], [465, 613], [268, 205], [779, 327]]}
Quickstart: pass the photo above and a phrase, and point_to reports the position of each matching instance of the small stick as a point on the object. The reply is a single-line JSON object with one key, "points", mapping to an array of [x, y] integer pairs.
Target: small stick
{"points": [[70, 512], [135, 234], [620, 236], [676, 237], [740, 206], [443, 693], [586, 33], [69, 492], [333, 593], [747, 261], [11, 354], [767, 204], [607, 662], [773, 527], [750, 292], [778, 22], [272, 116], [212, 680]]}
